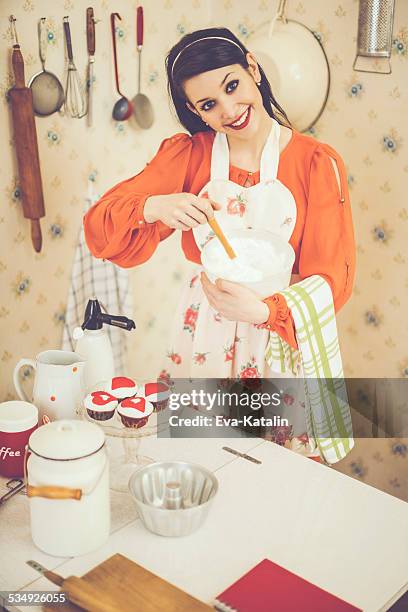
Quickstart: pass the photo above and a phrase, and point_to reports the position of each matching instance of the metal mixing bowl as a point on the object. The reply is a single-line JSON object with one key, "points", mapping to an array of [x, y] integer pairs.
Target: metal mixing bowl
{"points": [[159, 488]]}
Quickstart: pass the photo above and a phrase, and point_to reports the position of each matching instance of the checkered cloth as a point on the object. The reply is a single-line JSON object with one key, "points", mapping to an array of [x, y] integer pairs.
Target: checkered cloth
{"points": [[318, 359], [109, 284]]}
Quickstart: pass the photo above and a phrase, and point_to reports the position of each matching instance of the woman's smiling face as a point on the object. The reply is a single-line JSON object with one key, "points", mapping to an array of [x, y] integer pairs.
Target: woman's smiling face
{"points": [[228, 99]]}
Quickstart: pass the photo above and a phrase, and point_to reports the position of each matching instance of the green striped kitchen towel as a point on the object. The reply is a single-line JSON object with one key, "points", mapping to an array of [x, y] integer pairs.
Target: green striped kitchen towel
{"points": [[318, 360]]}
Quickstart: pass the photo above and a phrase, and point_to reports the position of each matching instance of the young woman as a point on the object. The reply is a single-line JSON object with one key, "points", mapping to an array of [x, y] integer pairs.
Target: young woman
{"points": [[264, 174]]}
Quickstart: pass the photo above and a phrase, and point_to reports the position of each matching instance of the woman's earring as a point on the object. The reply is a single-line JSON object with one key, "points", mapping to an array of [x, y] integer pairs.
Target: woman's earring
{"points": [[259, 83]]}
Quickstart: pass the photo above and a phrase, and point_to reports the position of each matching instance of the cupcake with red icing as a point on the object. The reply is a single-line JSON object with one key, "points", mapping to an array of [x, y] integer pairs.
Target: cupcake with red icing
{"points": [[135, 411], [157, 393], [100, 405], [122, 387]]}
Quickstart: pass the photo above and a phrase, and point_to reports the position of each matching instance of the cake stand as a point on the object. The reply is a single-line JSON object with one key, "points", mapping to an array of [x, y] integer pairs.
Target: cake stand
{"points": [[124, 465]]}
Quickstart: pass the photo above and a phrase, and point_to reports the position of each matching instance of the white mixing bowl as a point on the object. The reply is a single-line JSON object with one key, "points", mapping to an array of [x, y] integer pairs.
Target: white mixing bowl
{"points": [[270, 283]]}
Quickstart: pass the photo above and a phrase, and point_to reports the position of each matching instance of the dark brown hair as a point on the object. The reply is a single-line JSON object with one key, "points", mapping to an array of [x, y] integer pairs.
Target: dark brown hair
{"points": [[206, 55]]}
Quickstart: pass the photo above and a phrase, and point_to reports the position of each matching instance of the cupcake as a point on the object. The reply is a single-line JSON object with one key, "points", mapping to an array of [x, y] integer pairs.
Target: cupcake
{"points": [[122, 387], [157, 393], [135, 411], [100, 405]]}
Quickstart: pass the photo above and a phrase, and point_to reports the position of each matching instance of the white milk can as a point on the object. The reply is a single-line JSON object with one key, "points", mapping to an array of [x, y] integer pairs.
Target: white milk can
{"points": [[68, 487]]}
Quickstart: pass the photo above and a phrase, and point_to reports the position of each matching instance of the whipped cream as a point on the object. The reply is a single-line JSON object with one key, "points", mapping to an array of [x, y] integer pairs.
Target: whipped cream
{"points": [[255, 259]]}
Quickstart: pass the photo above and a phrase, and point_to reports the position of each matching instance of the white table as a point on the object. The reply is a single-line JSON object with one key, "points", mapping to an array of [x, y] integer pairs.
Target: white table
{"points": [[336, 532]]}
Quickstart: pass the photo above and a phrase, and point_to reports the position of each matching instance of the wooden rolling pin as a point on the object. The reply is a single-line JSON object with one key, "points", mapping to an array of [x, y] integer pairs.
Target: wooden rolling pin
{"points": [[213, 223], [25, 139], [79, 591]]}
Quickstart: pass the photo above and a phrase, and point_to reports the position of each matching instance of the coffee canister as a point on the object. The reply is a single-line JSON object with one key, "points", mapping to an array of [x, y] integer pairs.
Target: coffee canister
{"points": [[68, 488], [18, 420]]}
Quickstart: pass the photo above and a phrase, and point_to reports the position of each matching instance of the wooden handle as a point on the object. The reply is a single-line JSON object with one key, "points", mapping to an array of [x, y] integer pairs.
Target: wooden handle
{"points": [[90, 30], [221, 237], [67, 32], [54, 492], [36, 236], [139, 26], [17, 62], [83, 594], [54, 578], [88, 597], [115, 55]]}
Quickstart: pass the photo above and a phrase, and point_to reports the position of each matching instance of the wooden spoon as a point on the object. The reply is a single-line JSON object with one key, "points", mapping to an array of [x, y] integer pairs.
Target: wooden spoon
{"points": [[213, 223]]}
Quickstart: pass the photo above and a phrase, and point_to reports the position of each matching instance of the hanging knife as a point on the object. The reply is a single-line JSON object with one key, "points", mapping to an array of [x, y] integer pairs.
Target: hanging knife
{"points": [[90, 41]]}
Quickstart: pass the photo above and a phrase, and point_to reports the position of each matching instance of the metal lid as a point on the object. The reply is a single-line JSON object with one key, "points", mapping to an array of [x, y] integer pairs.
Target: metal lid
{"points": [[66, 439], [17, 416]]}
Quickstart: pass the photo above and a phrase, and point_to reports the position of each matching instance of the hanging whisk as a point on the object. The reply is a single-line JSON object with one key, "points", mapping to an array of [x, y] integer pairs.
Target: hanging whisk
{"points": [[75, 104]]}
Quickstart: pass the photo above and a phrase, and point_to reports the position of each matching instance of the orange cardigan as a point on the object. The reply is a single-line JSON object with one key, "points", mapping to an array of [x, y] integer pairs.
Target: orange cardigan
{"points": [[323, 237]]}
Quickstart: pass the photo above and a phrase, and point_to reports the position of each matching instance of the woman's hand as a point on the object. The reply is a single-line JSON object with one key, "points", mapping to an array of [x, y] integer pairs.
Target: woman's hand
{"points": [[179, 210], [234, 301]]}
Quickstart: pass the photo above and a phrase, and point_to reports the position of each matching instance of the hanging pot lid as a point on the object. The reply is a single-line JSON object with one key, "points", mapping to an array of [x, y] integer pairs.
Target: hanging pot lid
{"points": [[66, 440], [296, 66]]}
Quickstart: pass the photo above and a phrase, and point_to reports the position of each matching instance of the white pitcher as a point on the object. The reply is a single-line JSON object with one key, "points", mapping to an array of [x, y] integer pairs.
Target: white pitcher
{"points": [[58, 386]]}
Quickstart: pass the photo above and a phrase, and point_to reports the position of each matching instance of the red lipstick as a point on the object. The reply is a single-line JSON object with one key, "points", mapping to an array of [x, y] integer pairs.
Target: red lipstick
{"points": [[244, 124]]}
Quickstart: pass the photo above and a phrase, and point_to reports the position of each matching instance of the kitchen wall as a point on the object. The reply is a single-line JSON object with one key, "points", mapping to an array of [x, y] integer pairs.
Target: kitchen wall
{"points": [[34, 286], [365, 120]]}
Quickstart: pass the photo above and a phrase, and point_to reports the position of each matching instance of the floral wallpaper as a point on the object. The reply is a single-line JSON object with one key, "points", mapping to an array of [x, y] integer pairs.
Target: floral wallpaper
{"points": [[365, 120]]}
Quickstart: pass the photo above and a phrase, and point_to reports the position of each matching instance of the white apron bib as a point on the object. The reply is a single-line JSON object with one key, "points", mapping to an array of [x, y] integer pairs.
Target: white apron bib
{"points": [[204, 344], [268, 205]]}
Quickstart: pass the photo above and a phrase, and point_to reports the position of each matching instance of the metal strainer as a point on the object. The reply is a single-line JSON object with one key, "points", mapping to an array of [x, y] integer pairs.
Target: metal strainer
{"points": [[374, 38], [48, 92]]}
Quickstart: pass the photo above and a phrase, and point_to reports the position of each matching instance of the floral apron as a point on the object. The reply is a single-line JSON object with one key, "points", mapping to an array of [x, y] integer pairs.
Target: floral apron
{"points": [[203, 343]]}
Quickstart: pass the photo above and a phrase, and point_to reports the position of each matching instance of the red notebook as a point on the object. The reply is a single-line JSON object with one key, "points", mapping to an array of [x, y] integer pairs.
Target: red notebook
{"points": [[268, 587]]}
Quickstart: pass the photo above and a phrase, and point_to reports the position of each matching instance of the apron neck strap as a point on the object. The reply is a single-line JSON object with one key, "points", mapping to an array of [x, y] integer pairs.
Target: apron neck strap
{"points": [[270, 154], [269, 158], [220, 158]]}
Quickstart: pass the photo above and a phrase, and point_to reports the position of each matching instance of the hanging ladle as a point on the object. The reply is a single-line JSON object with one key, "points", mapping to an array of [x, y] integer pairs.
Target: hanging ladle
{"points": [[123, 107]]}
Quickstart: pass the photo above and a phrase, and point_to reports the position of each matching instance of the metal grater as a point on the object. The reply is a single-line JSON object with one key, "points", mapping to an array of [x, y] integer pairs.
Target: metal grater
{"points": [[374, 38]]}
